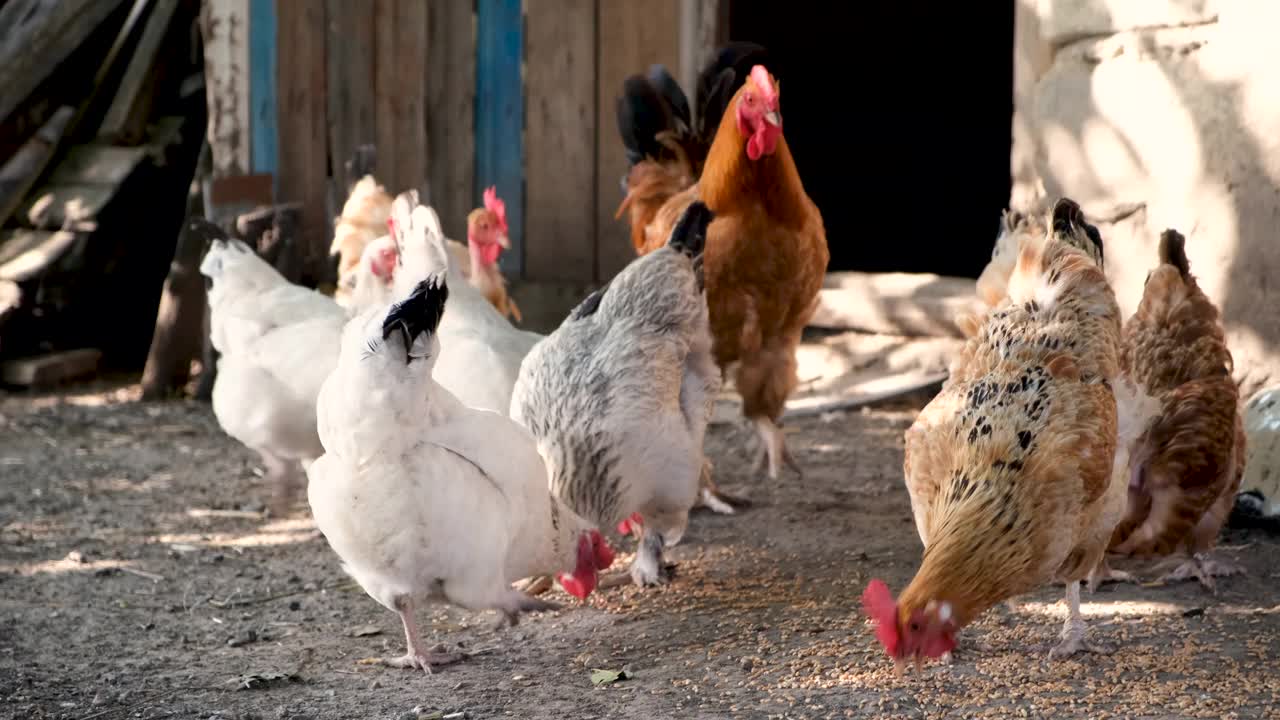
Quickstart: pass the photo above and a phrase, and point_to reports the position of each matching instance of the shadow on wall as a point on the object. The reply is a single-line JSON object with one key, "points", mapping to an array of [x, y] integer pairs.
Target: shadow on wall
{"points": [[1162, 116]]}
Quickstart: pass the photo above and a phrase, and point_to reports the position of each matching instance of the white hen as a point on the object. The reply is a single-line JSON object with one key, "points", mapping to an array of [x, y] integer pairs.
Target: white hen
{"points": [[277, 343], [410, 493], [482, 350]]}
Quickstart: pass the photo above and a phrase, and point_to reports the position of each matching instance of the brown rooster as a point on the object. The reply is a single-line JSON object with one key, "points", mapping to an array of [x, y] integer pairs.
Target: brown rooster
{"points": [[765, 259], [1012, 468], [1186, 466]]}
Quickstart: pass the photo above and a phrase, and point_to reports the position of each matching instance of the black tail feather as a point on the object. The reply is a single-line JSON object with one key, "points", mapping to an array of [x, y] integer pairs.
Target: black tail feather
{"points": [[690, 233], [719, 79], [673, 95], [1173, 251], [642, 114], [418, 314]]}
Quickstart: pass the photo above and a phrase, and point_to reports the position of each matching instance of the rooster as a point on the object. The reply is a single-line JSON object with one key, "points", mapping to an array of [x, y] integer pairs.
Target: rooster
{"points": [[1013, 470], [486, 238], [766, 253], [619, 397], [412, 498], [1186, 467]]}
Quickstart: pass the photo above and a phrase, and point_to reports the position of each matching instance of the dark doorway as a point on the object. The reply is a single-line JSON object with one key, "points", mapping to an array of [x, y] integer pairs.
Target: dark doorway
{"points": [[899, 117]]}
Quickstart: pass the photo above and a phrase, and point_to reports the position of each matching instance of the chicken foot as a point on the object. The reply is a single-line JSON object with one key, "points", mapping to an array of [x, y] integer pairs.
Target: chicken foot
{"points": [[711, 497], [417, 657], [517, 602], [648, 568], [1073, 630], [1203, 566], [773, 449]]}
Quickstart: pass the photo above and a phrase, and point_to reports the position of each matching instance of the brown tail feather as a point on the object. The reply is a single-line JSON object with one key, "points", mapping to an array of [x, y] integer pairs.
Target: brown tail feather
{"points": [[1173, 251]]}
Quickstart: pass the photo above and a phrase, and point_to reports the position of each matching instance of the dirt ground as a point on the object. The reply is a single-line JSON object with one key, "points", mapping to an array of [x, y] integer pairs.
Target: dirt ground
{"points": [[139, 578]]}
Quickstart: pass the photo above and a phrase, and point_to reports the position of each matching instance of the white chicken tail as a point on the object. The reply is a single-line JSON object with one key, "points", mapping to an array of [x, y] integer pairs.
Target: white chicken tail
{"points": [[419, 240]]}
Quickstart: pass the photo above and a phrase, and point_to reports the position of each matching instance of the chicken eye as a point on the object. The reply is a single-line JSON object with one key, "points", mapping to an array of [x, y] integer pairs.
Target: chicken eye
{"points": [[915, 627]]}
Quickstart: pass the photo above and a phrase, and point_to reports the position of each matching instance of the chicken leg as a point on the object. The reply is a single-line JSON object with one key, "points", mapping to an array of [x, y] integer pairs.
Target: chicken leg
{"points": [[1203, 567], [1104, 573], [773, 449], [648, 568], [1073, 630], [417, 657]]}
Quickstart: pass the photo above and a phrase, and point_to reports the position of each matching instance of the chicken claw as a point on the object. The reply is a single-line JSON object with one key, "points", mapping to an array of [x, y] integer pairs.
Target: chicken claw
{"points": [[1203, 567], [1073, 631], [423, 660], [648, 569], [1103, 574]]}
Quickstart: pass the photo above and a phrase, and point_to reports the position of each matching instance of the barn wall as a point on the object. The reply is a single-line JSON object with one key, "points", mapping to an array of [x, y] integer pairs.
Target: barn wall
{"points": [[1162, 114]]}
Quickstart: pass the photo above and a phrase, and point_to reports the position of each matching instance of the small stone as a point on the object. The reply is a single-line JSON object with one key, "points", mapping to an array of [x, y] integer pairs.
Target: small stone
{"points": [[295, 606], [375, 685]]}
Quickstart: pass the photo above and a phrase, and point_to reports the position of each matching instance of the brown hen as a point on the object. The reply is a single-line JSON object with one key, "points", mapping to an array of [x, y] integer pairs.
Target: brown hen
{"points": [[1012, 469], [1186, 466]]}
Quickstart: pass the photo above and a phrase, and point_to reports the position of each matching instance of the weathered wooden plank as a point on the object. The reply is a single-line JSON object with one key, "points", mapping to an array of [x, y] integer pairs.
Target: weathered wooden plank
{"points": [[351, 80], [560, 238], [500, 116], [633, 36], [304, 169], [704, 26], [21, 171], [43, 370], [224, 26], [97, 164], [264, 151], [26, 253], [451, 103], [57, 206], [400, 40], [125, 120], [910, 304], [38, 36]]}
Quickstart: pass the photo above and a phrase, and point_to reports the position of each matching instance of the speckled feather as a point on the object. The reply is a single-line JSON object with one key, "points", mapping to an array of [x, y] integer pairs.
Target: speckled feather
{"points": [[1187, 466], [1010, 467]]}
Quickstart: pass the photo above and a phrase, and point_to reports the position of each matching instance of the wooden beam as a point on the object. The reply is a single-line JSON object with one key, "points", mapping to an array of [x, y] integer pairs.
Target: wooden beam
{"points": [[224, 25], [561, 104], [50, 369], [350, 56], [895, 303], [26, 253], [38, 36], [632, 36], [500, 116], [304, 130], [125, 119], [451, 105], [400, 97], [20, 173], [264, 153]]}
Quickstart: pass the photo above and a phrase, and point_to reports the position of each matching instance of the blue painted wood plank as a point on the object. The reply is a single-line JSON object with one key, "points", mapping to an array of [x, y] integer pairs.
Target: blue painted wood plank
{"points": [[500, 117], [264, 155]]}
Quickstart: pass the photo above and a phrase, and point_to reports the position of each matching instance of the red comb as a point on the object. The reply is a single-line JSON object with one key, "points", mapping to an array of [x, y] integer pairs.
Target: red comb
{"points": [[604, 553], [391, 225], [495, 205], [573, 586], [878, 604], [760, 77]]}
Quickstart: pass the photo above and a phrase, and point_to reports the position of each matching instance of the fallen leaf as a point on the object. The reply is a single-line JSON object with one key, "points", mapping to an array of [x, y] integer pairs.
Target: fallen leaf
{"points": [[607, 677], [364, 631]]}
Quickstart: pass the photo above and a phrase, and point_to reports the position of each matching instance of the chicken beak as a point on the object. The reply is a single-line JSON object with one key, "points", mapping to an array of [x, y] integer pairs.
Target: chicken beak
{"points": [[504, 241], [773, 118]]}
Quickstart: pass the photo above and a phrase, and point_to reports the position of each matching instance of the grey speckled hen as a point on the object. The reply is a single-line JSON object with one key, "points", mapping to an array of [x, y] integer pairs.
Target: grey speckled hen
{"points": [[619, 397]]}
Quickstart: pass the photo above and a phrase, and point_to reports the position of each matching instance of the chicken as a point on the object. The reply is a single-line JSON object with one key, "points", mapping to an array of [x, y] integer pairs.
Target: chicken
{"points": [[486, 238], [1186, 466], [373, 277], [410, 494], [277, 343], [994, 280], [619, 397], [482, 351], [1013, 470], [364, 219], [766, 255], [1258, 502], [666, 148]]}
